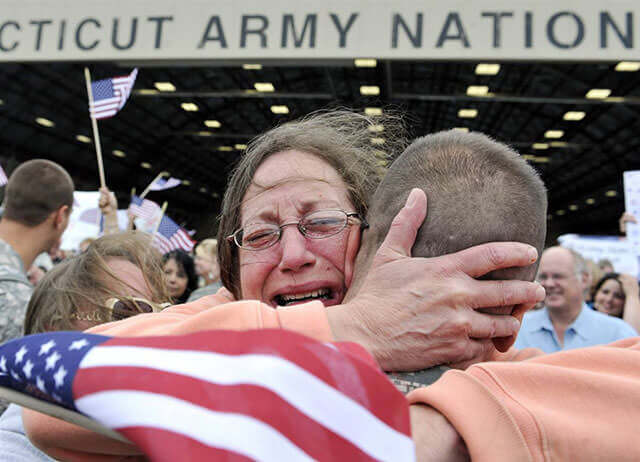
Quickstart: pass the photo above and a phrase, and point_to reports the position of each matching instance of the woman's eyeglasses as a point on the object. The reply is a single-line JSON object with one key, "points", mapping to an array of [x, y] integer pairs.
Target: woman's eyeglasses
{"points": [[120, 308], [315, 225]]}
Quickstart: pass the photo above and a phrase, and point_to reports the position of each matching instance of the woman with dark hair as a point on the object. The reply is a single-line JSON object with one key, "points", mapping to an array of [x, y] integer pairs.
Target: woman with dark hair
{"points": [[179, 275], [617, 295]]}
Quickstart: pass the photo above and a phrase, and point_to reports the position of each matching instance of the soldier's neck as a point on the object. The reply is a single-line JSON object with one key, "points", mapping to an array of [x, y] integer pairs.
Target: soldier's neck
{"points": [[27, 241]]}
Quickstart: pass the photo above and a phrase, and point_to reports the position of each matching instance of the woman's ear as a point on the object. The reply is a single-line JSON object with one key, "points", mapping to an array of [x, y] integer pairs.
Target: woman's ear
{"points": [[353, 246]]}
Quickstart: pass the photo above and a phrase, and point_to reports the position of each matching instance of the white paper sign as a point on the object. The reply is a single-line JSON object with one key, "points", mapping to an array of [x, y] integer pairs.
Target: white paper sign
{"points": [[632, 205], [596, 248]]}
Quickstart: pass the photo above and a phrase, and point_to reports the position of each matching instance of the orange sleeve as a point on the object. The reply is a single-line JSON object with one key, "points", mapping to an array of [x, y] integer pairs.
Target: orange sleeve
{"points": [[219, 311], [572, 405]]}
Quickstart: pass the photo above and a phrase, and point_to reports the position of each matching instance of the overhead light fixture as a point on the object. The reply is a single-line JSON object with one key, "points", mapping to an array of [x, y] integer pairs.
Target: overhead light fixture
{"points": [[611, 193], [83, 138], [598, 93], [215, 195], [542, 159], [204, 133], [377, 141], [165, 86], [189, 107], [1, 102], [186, 182], [559, 144], [628, 66], [560, 212], [240, 147], [225, 148], [369, 90], [468, 113], [146, 165], [118, 153], [373, 111], [573, 207], [477, 90], [203, 190], [212, 123], [540, 145], [590, 201], [574, 116], [280, 109], [252, 67], [365, 62], [264, 87], [462, 129], [553, 134], [487, 69], [44, 122], [376, 128], [146, 91]]}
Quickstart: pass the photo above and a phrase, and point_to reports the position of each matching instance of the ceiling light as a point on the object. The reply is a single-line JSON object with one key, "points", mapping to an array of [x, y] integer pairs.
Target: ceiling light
{"points": [[467, 113], [225, 148], [369, 90], [146, 91], [212, 123], [83, 138], [559, 144], [560, 212], [628, 66], [462, 129], [215, 195], [611, 193], [280, 109], [189, 107], [573, 207], [598, 93], [44, 122], [240, 147], [204, 133], [590, 201], [373, 111], [574, 115], [540, 145], [553, 134], [203, 190], [377, 141], [1, 102], [487, 69], [252, 67], [119, 153], [375, 128], [365, 62], [264, 86], [146, 165], [165, 86], [541, 159], [477, 90], [186, 182]]}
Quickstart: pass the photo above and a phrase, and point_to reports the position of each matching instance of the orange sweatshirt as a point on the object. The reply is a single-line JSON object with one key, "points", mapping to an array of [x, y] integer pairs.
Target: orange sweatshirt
{"points": [[503, 410]]}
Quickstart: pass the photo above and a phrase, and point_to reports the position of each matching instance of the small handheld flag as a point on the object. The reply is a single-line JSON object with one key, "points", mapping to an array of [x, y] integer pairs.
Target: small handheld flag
{"points": [[160, 184], [170, 236], [3, 177], [110, 95]]}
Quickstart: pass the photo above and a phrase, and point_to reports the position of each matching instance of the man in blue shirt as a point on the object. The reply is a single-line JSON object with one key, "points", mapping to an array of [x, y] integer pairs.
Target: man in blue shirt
{"points": [[566, 322]]}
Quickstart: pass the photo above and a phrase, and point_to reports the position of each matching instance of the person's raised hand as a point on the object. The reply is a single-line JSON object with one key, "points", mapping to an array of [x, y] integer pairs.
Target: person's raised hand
{"points": [[624, 219], [414, 313], [107, 202], [629, 285]]}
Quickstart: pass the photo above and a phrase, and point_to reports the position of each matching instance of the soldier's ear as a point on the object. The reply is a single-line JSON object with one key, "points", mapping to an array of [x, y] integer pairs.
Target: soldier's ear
{"points": [[61, 217]]}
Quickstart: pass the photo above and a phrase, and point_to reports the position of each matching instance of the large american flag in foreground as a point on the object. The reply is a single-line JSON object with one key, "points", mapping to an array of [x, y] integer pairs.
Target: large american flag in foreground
{"points": [[171, 236], [266, 395], [110, 95]]}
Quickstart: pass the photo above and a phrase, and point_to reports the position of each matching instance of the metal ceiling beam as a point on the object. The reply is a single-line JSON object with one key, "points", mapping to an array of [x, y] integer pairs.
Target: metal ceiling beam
{"points": [[233, 94], [497, 98]]}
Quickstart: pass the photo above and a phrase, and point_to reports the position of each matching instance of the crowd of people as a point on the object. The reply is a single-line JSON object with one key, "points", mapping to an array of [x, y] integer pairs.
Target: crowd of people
{"points": [[428, 263]]}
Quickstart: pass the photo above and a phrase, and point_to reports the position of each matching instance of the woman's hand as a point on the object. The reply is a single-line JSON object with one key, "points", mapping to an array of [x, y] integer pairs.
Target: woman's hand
{"points": [[414, 313]]}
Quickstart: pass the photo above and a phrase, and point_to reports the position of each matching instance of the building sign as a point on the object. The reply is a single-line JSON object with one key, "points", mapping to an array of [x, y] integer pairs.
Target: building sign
{"points": [[37, 30]]}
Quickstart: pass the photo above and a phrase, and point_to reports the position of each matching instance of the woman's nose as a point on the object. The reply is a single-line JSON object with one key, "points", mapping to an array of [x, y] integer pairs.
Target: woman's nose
{"points": [[295, 251]]}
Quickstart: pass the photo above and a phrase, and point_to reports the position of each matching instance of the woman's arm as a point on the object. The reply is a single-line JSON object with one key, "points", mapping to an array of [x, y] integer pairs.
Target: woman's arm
{"points": [[631, 290]]}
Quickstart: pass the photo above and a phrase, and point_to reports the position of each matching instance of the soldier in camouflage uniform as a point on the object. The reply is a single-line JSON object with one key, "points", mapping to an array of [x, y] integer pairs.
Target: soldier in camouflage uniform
{"points": [[37, 204]]}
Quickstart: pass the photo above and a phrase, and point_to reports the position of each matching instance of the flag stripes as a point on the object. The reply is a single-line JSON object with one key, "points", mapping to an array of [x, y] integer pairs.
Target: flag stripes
{"points": [[110, 95]]}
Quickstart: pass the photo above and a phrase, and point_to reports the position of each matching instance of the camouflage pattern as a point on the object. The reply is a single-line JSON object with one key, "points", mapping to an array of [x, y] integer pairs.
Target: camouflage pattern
{"points": [[408, 381], [15, 291]]}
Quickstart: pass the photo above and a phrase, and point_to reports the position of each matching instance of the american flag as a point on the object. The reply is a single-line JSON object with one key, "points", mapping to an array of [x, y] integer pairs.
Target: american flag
{"points": [[144, 208], [109, 95], [170, 236], [264, 395], [161, 184], [3, 177]]}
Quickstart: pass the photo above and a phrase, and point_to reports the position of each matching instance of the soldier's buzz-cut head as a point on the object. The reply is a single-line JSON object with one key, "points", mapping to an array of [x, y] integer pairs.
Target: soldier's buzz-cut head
{"points": [[37, 188], [478, 191]]}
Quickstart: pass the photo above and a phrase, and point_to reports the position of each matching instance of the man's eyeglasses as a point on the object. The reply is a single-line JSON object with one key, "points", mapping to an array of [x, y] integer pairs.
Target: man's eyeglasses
{"points": [[120, 308], [315, 225]]}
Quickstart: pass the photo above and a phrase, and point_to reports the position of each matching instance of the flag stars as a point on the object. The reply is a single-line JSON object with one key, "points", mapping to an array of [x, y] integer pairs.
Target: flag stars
{"points": [[78, 344], [45, 347], [52, 360], [40, 384], [3, 364], [59, 376], [20, 354], [15, 376], [28, 366]]}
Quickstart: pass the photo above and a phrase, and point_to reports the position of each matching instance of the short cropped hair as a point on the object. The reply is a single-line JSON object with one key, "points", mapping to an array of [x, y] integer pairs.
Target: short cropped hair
{"points": [[207, 248], [341, 138], [85, 282], [35, 189], [478, 191]]}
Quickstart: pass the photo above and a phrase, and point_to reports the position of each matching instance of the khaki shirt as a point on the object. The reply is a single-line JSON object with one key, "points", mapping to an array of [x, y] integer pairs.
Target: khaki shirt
{"points": [[15, 291]]}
